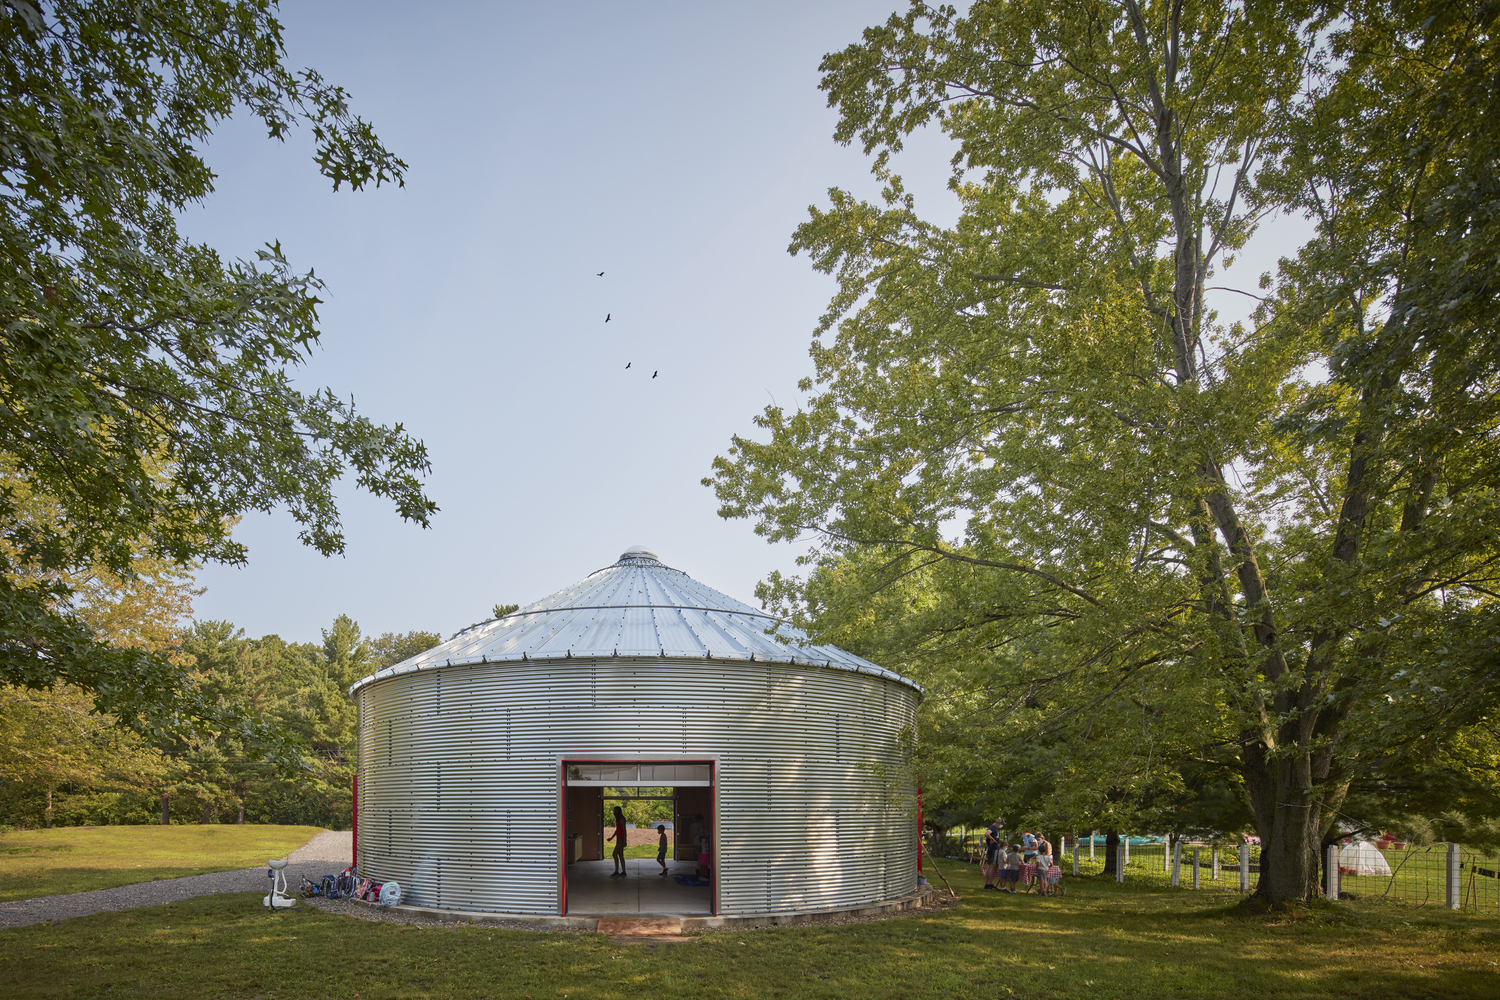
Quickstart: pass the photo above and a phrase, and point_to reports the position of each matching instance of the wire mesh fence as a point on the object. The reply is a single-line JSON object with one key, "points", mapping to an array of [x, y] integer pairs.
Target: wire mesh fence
{"points": [[1419, 876], [1410, 875]]}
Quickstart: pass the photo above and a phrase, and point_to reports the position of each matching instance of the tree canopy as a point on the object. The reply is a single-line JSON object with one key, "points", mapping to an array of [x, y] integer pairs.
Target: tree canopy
{"points": [[144, 380], [1115, 532], [52, 742]]}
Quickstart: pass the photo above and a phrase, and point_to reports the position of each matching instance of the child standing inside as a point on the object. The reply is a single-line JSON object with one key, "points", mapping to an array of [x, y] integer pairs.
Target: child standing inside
{"points": [[661, 847]]}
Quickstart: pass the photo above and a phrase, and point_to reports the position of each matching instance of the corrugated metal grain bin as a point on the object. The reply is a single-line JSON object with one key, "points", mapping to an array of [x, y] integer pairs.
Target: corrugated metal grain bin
{"points": [[474, 755]]}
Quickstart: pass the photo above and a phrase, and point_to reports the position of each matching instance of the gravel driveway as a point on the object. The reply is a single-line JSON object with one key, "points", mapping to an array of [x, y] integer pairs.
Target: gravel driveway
{"points": [[325, 854]]}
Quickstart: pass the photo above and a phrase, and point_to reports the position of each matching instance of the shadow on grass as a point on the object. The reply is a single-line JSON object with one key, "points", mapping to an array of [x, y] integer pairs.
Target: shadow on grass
{"points": [[1101, 940]]}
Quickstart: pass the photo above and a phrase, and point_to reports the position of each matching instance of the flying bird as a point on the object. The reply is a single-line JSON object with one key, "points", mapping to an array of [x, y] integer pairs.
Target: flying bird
{"points": [[655, 373], [627, 364], [601, 274], [607, 316]]}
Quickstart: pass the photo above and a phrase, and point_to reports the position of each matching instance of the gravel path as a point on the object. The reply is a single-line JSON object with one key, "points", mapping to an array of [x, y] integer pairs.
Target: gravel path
{"points": [[326, 853]]}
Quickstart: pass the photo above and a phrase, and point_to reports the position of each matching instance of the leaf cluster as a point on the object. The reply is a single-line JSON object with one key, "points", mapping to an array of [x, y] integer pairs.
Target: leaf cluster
{"points": [[144, 381]]}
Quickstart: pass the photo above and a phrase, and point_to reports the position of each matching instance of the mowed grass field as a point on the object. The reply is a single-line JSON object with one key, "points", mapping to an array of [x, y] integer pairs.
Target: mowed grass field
{"points": [[1419, 875], [641, 844], [75, 859], [1099, 942]]}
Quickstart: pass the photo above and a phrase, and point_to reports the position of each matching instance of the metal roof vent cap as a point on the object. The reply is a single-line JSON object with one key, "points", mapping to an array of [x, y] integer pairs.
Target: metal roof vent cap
{"points": [[639, 555]]}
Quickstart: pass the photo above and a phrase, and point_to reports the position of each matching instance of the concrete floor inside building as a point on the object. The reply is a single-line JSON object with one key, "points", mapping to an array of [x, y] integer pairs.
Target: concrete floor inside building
{"points": [[591, 890]]}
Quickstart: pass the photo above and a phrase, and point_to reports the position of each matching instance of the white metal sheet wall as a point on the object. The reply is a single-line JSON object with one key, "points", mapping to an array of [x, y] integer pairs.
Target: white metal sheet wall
{"points": [[459, 785]]}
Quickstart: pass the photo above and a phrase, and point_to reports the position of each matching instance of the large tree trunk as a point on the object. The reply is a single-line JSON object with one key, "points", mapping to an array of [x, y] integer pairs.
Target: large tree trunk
{"points": [[1295, 807], [1111, 852], [1285, 785], [1290, 833], [47, 813]]}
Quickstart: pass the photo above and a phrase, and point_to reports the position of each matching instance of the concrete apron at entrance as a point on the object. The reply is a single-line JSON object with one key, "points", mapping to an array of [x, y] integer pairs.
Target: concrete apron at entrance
{"points": [[644, 927]]}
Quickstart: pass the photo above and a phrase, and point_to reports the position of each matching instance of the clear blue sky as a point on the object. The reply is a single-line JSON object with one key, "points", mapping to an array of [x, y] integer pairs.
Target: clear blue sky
{"points": [[673, 146]]}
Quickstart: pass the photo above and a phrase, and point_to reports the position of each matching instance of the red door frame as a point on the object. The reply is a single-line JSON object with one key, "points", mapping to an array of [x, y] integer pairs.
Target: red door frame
{"points": [[354, 822], [562, 814]]}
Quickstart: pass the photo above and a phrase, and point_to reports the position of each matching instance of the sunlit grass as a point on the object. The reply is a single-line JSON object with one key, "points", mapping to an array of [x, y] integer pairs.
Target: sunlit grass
{"points": [[1101, 940], [1419, 875], [642, 844], [76, 859]]}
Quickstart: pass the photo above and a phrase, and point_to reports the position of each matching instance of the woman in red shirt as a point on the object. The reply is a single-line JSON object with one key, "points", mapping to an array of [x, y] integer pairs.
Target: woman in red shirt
{"points": [[619, 838]]}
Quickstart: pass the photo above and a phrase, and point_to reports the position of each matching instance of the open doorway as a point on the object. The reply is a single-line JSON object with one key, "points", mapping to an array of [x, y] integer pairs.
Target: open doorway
{"points": [[675, 795]]}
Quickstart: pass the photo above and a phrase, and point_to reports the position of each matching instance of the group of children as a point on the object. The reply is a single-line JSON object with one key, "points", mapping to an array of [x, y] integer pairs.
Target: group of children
{"points": [[1028, 863]]}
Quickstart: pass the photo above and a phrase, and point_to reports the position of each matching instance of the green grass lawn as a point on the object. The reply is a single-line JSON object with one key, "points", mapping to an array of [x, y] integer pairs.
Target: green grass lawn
{"points": [[1100, 941], [1419, 875], [74, 859], [641, 844]]}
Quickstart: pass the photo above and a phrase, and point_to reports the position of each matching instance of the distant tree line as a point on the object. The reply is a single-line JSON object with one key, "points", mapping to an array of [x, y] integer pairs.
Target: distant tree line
{"points": [[65, 766]]}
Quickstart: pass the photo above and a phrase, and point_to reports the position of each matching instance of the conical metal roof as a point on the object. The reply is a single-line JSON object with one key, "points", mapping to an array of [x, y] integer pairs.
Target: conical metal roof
{"points": [[637, 607]]}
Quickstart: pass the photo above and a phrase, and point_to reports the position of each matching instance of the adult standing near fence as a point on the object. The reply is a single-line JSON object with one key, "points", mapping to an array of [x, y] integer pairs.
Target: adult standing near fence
{"points": [[992, 845]]}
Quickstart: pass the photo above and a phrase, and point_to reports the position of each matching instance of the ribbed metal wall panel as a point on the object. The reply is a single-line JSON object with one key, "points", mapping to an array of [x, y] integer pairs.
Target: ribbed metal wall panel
{"points": [[459, 777]]}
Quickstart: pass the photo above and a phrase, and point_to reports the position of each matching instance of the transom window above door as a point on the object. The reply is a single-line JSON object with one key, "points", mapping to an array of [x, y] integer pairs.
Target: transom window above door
{"points": [[636, 775]]}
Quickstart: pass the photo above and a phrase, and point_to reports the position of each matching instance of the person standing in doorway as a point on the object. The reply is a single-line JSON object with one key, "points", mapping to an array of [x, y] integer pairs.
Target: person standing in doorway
{"points": [[661, 848], [619, 838]]}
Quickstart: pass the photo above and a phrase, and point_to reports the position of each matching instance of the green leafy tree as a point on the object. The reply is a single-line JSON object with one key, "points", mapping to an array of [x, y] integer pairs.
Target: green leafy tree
{"points": [[52, 738], [501, 610], [1275, 541], [393, 647], [300, 687], [143, 380], [219, 768]]}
